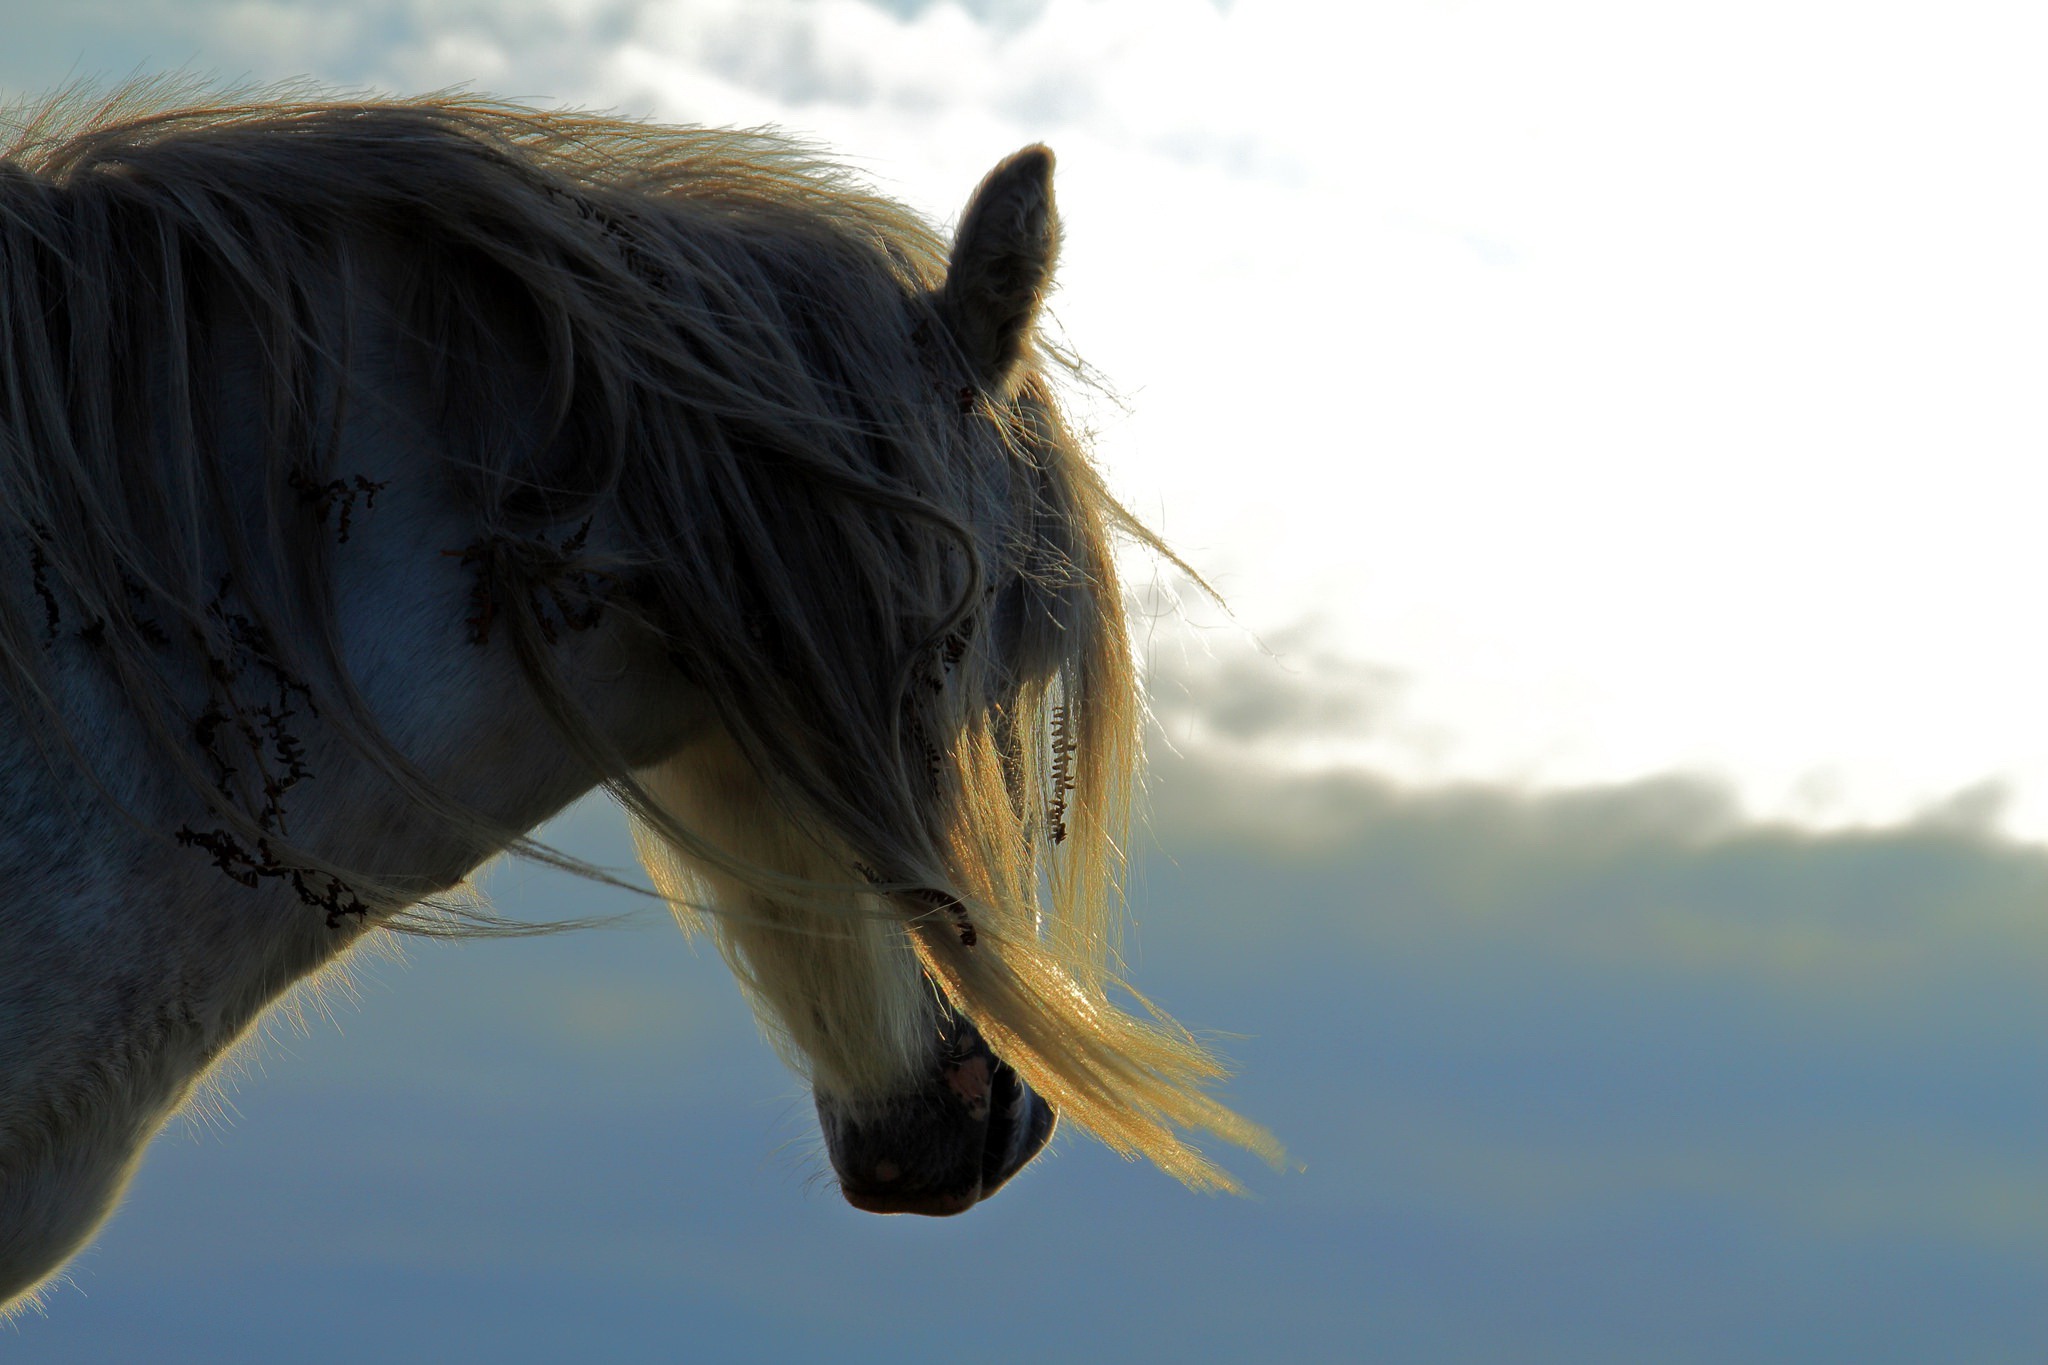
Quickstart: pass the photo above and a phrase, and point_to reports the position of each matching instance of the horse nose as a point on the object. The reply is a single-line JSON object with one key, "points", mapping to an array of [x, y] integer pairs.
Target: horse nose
{"points": [[944, 1149]]}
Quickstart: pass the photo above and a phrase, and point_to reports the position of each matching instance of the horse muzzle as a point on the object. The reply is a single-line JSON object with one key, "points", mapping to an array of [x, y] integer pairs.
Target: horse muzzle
{"points": [[943, 1149]]}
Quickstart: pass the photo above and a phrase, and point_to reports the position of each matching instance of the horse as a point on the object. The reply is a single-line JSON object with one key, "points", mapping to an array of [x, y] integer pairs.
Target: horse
{"points": [[379, 476]]}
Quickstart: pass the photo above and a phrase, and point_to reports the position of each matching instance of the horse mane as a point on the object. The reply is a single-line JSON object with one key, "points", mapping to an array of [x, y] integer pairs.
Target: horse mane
{"points": [[722, 319]]}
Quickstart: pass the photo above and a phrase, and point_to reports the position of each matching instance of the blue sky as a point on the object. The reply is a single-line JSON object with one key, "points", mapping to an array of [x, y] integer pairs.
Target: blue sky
{"points": [[1612, 862], [1600, 1076]]}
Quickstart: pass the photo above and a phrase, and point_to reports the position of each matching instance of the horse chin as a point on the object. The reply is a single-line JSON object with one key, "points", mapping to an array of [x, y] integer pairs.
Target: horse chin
{"points": [[942, 1149]]}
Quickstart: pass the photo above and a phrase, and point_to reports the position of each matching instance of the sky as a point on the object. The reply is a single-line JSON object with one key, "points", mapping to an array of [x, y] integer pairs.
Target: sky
{"points": [[1605, 823], [1599, 1076], [1643, 392]]}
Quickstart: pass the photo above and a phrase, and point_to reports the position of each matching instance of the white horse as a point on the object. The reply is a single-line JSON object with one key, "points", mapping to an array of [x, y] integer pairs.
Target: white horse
{"points": [[376, 478]]}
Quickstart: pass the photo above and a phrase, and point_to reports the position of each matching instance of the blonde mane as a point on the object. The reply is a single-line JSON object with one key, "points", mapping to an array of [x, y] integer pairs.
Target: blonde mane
{"points": [[693, 379]]}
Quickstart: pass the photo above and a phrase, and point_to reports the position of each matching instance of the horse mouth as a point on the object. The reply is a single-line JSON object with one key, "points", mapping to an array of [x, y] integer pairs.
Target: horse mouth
{"points": [[930, 1205], [944, 1150]]}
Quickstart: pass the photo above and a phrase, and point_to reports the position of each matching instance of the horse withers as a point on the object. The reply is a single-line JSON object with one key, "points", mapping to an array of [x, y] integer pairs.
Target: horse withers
{"points": [[377, 478]]}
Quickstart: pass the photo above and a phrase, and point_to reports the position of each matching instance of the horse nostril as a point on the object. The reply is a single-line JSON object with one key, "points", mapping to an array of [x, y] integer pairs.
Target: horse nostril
{"points": [[1020, 1124], [972, 1084]]}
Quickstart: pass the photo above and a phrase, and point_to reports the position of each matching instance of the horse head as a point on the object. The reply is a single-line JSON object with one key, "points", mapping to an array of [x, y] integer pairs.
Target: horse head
{"points": [[1013, 691]]}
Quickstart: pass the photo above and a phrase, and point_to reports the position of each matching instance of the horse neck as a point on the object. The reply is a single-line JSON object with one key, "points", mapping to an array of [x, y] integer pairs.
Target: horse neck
{"points": [[130, 962]]}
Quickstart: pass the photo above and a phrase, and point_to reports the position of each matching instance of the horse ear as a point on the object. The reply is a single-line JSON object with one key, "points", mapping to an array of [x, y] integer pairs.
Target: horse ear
{"points": [[1001, 265]]}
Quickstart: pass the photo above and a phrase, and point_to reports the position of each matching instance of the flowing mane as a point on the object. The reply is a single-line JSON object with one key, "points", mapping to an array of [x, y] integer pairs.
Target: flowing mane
{"points": [[699, 386], [678, 291]]}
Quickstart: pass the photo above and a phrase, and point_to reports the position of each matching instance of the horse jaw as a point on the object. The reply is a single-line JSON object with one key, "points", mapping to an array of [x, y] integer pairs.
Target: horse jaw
{"points": [[943, 1148]]}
